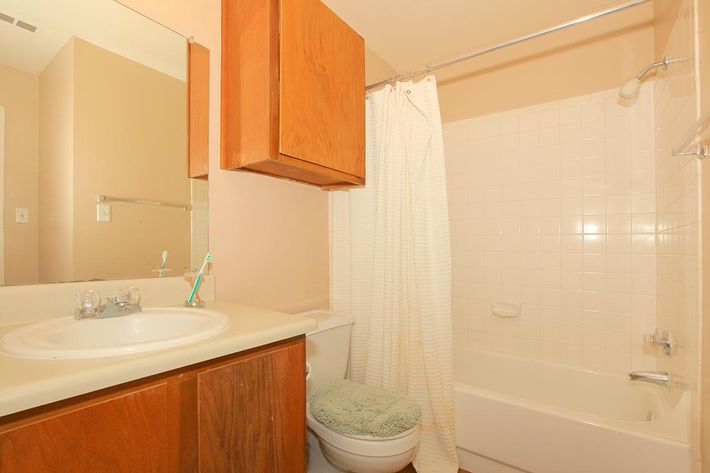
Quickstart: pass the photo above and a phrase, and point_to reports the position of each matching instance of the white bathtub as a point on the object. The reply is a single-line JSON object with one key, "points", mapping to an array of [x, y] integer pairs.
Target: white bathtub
{"points": [[517, 414]]}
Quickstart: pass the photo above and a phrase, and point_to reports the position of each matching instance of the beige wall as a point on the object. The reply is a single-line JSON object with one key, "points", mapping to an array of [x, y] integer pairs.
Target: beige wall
{"points": [[599, 55], [115, 101], [56, 148], [665, 14], [269, 237], [19, 92], [376, 68]]}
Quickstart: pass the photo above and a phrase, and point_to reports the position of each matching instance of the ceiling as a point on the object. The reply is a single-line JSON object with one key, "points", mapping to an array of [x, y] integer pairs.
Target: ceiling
{"points": [[105, 23], [409, 34]]}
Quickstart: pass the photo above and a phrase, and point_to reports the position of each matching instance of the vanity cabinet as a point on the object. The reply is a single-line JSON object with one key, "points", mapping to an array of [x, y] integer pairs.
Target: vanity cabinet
{"points": [[240, 413], [243, 403], [293, 92], [121, 432]]}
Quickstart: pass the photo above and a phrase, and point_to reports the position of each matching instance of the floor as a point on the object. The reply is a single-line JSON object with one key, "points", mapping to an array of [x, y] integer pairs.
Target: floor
{"points": [[410, 469]]}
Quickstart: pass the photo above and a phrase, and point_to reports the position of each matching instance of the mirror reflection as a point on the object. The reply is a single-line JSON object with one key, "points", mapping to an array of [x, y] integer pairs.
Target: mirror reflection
{"points": [[93, 145]]}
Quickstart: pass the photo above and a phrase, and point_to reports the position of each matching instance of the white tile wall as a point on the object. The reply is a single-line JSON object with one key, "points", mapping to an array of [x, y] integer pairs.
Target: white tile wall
{"points": [[677, 200], [553, 207], [199, 221]]}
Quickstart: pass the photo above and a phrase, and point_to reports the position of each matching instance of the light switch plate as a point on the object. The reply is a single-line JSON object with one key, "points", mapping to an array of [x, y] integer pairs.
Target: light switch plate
{"points": [[22, 215], [103, 213]]}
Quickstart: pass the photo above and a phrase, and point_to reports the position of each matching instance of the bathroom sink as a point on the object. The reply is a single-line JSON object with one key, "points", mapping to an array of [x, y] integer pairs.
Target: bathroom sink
{"points": [[152, 329]]}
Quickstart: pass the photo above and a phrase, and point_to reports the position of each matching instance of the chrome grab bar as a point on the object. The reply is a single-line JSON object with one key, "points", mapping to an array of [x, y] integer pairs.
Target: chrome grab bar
{"points": [[107, 198]]}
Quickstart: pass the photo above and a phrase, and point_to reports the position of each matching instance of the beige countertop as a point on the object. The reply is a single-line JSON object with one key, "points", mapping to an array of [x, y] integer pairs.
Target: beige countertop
{"points": [[27, 383]]}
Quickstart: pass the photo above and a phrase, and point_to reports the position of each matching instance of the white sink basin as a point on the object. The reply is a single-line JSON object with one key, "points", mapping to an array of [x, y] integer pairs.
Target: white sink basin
{"points": [[151, 329]]}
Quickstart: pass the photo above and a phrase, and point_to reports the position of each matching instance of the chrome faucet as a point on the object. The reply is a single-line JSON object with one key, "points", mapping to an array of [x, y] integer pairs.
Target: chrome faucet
{"points": [[88, 306], [116, 306], [655, 377]]}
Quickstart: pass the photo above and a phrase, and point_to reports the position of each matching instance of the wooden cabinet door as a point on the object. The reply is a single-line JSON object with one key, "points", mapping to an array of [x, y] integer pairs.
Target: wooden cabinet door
{"points": [[252, 413], [322, 88], [124, 434], [198, 110]]}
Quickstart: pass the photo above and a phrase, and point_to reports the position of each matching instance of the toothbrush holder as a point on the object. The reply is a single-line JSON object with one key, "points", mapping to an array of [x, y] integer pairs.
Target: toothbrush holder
{"points": [[190, 277], [197, 304]]}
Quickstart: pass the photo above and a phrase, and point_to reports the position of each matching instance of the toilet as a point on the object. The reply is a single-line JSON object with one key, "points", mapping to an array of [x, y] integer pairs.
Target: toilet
{"points": [[327, 351]]}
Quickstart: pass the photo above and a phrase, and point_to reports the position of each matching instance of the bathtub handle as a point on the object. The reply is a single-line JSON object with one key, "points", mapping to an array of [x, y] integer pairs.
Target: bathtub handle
{"points": [[664, 340]]}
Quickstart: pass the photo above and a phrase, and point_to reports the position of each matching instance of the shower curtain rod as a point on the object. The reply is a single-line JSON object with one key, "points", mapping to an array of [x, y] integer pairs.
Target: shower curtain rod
{"points": [[480, 52]]}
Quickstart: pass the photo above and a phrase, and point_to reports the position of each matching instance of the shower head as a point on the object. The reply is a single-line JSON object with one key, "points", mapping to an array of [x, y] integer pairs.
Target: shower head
{"points": [[631, 88]]}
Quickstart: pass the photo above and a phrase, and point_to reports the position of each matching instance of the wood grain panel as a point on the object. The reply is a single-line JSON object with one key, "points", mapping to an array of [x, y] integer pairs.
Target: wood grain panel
{"points": [[322, 88], [252, 414], [198, 110], [289, 168], [125, 434], [182, 426], [250, 57], [325, 98], [151, 425]]}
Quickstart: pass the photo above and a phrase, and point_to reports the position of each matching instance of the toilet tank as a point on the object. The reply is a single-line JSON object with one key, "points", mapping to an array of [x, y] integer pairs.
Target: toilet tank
{"points": [[327, 348]]}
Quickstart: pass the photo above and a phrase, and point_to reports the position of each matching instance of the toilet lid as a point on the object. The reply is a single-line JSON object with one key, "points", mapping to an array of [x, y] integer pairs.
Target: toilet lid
{"points": [[354, 409]]}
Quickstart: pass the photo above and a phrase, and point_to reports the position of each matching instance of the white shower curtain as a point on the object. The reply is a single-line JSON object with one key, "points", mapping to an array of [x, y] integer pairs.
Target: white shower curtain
{"points": [[391, 264]]}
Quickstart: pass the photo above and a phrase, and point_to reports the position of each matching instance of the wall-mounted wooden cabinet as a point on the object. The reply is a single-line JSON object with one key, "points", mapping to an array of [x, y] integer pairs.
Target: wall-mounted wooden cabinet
{"points": [[198, 109], [293, 92], [240, 413]]}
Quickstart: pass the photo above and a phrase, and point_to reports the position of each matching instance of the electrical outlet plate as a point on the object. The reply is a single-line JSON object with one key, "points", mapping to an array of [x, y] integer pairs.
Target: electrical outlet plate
{"points": [[22, 215], [103, 213]]}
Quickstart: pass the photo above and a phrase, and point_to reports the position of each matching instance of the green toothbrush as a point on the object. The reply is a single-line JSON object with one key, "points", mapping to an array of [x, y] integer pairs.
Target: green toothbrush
{"points": [[198, 279]]}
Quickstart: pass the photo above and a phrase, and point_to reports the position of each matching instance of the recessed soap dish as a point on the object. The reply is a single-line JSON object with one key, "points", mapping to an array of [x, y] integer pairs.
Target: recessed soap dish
{"points": [[505, 309]]}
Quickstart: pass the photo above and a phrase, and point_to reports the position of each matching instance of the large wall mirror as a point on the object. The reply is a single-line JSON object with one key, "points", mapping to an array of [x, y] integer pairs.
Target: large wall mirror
{"points": [[93, 106]]}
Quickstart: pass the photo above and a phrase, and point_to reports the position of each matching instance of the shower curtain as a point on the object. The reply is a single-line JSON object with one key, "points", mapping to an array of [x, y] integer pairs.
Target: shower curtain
{"points": [[391, 264]]}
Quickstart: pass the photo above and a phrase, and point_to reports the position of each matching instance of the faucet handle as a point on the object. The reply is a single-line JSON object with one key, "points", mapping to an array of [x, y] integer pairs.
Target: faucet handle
{"points": [[128, 295], [664, 340], [87, 303]]}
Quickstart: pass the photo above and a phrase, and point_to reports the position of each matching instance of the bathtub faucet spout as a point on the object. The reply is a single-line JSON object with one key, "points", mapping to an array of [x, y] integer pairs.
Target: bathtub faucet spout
{"points": [[656, 377]]}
